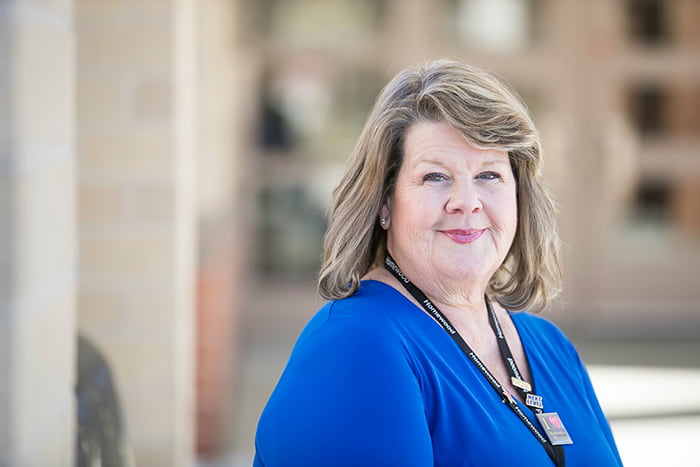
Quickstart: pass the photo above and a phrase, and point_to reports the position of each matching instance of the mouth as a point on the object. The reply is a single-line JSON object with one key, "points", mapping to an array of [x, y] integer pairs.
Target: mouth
{"points": [[464, 236]]}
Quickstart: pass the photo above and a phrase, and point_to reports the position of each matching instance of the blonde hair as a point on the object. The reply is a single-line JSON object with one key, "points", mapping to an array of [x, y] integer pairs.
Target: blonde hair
{"points": [[490, 116]]}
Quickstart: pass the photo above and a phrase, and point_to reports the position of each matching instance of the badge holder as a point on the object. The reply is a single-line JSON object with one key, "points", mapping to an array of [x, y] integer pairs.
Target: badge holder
{"points": [[554, 428]]}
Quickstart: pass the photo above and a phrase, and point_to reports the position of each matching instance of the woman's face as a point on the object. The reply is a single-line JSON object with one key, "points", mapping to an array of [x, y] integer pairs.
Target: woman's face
{"points": [[453, 214]]}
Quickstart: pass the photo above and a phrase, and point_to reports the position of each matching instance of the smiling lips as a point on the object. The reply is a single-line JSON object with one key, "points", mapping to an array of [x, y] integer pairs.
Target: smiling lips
{"points": [[464, 236]]}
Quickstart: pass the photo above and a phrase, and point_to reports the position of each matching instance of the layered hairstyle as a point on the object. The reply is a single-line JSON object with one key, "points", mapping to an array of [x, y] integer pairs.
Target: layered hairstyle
{"points": [[489, 115]]}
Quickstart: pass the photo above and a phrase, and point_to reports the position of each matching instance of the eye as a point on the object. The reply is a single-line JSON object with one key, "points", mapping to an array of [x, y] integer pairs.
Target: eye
{"points": [[489, 176], [434, 177]]}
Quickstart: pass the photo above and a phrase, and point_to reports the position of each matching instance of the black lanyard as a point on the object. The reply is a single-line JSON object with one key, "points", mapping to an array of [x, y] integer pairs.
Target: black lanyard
{"points": [[556, 453], [525, 389]]}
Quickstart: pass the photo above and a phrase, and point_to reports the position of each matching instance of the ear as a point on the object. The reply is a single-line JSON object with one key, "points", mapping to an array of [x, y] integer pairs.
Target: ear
{"points": [[385, 214]]}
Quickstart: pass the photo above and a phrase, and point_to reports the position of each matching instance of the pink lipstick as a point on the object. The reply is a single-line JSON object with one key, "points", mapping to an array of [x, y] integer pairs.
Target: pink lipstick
{"points": [[464, 236]]}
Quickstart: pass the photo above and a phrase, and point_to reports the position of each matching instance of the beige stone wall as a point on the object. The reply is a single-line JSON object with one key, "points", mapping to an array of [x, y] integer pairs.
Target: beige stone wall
{"points": [[137, 135], [37, 233], [99, 154]]}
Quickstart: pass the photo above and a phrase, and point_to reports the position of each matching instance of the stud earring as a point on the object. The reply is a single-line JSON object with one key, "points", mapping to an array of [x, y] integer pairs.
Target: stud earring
{"points": [[383, 220]]}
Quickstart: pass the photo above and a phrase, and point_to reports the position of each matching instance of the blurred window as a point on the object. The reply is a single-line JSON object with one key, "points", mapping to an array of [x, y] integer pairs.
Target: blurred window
{"points": [[665, 110], [290, 232], [494, 25], [651, 202], [311, 112], [322, 23], [294, 105], [314, 110], [648, 109], [274, 132], [647, 21]]}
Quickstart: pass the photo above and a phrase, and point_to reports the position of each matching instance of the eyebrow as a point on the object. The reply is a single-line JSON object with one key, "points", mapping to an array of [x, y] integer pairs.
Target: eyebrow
{"points": [[497, 161], [442, 163], [429, 161]]}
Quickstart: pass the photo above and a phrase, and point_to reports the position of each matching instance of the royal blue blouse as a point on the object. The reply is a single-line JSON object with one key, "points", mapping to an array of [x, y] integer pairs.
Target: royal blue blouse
{"points": [[374, 381]]}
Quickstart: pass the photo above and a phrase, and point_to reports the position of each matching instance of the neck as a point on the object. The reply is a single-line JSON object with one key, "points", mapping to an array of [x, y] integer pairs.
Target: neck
{"points": [[467, 296], [470, 318], [466, 301], [464, 307]]}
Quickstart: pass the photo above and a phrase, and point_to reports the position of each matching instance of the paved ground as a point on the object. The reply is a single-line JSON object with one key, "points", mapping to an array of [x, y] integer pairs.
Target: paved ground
{"points": [[649, 389]]}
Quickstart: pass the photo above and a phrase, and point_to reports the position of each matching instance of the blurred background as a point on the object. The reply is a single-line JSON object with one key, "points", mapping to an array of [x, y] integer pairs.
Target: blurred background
{"points": [[165, 167]]}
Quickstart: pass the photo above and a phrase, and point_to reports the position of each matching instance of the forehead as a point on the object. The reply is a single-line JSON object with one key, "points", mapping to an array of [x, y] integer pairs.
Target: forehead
{"points": [[440, 142]]}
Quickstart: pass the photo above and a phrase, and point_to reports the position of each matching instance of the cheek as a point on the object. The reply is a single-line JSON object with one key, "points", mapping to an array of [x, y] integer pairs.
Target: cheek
{"points": [[506, 210], [513, 213], [414, 207], [412, 225], [411, 229]]}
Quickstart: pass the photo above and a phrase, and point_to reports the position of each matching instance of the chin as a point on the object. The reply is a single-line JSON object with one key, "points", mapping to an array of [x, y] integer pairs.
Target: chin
{"points": [[465, 273]]}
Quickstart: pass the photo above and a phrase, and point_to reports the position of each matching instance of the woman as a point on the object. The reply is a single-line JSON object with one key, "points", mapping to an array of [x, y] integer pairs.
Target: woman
{"points": [[439, 229]]}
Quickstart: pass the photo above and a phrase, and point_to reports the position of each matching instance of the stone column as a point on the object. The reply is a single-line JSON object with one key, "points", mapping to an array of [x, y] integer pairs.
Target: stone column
{"points": [[137, 129], [37, 233], [225, 100]]}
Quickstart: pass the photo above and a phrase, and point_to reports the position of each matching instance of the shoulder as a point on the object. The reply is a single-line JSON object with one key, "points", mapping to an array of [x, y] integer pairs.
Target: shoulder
{"points": [[546, 334], [348, 382], [373, 310], [530, 320], [370, 323]]}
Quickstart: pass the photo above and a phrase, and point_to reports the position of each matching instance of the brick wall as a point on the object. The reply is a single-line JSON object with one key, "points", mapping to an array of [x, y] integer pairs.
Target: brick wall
{"points": [[136, 137]]}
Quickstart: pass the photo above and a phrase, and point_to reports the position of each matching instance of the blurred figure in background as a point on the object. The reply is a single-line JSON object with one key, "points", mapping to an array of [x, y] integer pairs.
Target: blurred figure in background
{"points": [[440, 221]]}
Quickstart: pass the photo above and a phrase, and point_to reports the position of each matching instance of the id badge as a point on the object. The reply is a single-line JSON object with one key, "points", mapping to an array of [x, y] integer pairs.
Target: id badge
{"points": [[554, 428]]}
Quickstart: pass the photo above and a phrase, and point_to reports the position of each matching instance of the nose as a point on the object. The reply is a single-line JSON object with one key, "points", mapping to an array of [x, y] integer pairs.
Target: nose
{"points": [[463, 198]]}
